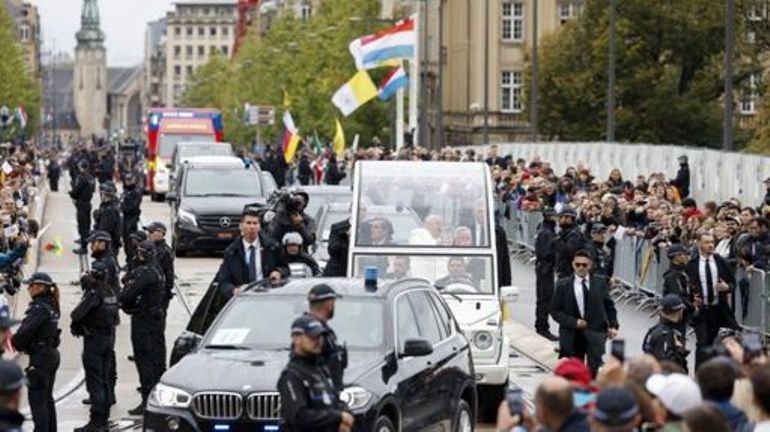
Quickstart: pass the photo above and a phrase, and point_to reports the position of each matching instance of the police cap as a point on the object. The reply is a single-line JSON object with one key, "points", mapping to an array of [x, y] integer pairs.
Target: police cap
{"points": [[548, 211], [598, 227], [671, 303], [39, 278], [146, 246], [99, 236], [615, 406], [155, 226], [138, 235], [11, 377], [568, 211], [100, 266], [308, 325], [676, 249], [322, 292], [108, 188]]}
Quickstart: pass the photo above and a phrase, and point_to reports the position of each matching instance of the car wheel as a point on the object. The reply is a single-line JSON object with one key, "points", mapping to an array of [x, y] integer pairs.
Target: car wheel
{"points": [[155, 197], [490, 397], [384, 424], [463, 419], [178, 252]]}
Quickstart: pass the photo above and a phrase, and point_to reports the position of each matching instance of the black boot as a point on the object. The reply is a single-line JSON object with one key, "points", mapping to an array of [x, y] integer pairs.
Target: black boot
{"points": [[86, 401], [139, 410], [94, 426]]}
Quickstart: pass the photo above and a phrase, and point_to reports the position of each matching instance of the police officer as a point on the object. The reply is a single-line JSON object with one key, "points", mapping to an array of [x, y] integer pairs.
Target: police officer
{"points": [[664, 340], [545, 260], [130, 205], [11, 382], [309, 400], [134, 239], [164, 258], [676, 281], [599, 251], [107, 218], [142, 297], [95, 318], [38, 337], [81, 193], [568, 242], [322, 299]]}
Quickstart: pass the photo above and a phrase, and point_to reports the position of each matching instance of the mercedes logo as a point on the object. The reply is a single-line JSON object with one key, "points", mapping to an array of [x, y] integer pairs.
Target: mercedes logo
{"points": [[225, 221]]}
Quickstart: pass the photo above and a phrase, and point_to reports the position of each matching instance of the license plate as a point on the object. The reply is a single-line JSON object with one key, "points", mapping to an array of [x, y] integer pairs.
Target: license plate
{"points": [[225, 235]]}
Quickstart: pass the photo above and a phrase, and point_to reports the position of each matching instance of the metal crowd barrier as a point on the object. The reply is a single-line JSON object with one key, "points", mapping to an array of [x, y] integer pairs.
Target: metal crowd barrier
{"points": [[755, 316]]}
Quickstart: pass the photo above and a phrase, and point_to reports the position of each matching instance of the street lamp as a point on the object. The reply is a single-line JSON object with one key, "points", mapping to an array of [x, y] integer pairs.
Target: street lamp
{"points": [[611, 76], [486, 73], [728, 143]]}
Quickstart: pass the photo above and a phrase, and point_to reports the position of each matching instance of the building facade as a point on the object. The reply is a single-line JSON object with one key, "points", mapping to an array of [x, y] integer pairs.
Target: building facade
{"points": [[154, 91], [90, 74], [27, 20], [195, 31]]}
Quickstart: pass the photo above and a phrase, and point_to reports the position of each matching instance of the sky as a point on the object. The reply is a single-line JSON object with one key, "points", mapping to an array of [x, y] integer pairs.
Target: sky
{"points": [[123, 22]]}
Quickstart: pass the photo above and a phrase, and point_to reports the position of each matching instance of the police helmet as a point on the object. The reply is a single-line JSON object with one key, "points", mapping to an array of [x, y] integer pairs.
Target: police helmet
{"points": [[108, 188], [292, 238], [83, 164], [100, 236], [129, 178]]}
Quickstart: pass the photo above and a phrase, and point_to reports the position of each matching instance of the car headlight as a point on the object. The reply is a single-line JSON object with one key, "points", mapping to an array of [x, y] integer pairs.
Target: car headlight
{"points": [[187, 217], [483, 340], [164, 396], [356, 397]]}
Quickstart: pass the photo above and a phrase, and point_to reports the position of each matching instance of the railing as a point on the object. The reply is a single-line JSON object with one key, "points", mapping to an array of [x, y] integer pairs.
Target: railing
{"points": [[639, 267]]}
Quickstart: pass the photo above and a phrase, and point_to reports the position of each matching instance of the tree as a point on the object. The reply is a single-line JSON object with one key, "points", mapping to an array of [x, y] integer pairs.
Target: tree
{"points": [[308, 60], [669, 74], [17, 86]]}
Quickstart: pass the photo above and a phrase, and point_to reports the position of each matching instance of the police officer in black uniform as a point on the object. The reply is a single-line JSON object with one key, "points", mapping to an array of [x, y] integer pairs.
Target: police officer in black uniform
{"points": [[107, 218], [545, 259], [11, 382], [676, 281], [322, 299], [309, 400], [568, 242], [664, 340], [599, 251], [95, 318], [134, 239], [131, 206], [81, 193], [38, 337], [142, 297], [164, 257]]}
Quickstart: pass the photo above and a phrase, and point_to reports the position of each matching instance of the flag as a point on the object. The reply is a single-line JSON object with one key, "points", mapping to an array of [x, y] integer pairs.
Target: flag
{"points": [[286, 99], [317, 146], [356, 92], [21, 116], [291, 137], [395, 80], [339, 139], [397, 42]]}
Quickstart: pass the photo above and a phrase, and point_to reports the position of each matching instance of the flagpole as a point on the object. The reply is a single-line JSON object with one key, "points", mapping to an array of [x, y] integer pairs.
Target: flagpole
{"points": [[414, 83], [400, 119]]}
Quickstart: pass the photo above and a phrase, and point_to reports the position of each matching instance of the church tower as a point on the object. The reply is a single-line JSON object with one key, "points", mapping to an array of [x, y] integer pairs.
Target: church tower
{"points": [[90, 73]]}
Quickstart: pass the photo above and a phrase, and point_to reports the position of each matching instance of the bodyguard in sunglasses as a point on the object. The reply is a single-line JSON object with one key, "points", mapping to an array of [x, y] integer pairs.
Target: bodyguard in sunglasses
{"points": [[585, 312]]}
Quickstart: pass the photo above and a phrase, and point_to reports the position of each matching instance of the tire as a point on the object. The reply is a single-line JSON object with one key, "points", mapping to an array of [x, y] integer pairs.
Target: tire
{"points": [[156, 197], [178, 252], [463, 419], [384, 424], [490, 397]]}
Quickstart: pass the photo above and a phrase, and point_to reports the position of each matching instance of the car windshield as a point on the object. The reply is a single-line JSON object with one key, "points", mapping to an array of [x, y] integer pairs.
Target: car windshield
{"points": [[456, 273], [227, 182], [386, 226], [321, 199], [447, 200], [358, 322], [330, 218], [186, 152], [168, 142]]}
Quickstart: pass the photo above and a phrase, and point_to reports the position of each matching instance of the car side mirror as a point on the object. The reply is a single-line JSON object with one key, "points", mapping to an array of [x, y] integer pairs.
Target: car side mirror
{"points": [[185, 344], [509, 294], [417, 348], [172, 197]]}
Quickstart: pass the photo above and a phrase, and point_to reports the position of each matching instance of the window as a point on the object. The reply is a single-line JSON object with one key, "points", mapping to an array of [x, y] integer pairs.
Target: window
{"points": [[225, 31], [757, 10], [189, 71], [24, 33], [177, 51], [206, 11], [177, 31], [201, 51], [189, 51], [511, 90], [177, 70], [225, 50], [442, 314], [201, 31], [177, 90], [405, 322], [513, 21], [426, 318], [212, 50], [212, 31], [306, 11], [564, 12], [189, 31], [750, 95]]}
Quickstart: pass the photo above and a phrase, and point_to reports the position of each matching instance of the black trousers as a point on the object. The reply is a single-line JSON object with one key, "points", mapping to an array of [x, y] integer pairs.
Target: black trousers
{"points": [[149, 350], [53, 183], [83, 214], [97, 348], [707, 324], [544, 284], [41, 374]]}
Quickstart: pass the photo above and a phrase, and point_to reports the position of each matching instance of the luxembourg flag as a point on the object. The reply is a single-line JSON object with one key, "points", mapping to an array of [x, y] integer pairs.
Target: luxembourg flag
{"points": [[21, 116], [395, 80], [291, 137], [397, 42]]}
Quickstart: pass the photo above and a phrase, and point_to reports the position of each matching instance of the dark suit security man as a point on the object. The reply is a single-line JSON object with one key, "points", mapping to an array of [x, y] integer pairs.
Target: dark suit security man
{"points": [[249, 258], [568, 242], [131, 207], [322, 299], [107, 218], [676, 281], [585, 312], [81, 193], [339, 242], [545, 260], [94, 318], [142, 297], [664, 340], [712, 282], [309, 401]]}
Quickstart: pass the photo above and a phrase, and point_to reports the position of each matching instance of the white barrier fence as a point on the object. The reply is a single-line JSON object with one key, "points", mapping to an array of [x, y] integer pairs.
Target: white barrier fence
{"points": [[714, 175]]}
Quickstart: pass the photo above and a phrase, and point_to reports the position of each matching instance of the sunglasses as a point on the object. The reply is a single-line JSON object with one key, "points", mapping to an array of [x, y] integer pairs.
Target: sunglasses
{"points": [[581, 265]]}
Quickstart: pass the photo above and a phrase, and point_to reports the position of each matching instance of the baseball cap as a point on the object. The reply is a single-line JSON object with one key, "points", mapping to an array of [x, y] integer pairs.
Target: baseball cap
{"points": [[39, 278], [677, 392], [322, 292], [676, 249], [671, 303], [574, 371], [307, 325], [11, 377], [615, 406]]}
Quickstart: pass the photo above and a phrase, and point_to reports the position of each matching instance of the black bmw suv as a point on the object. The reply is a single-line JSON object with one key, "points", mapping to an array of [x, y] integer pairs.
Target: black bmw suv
{"points": [[409, 367]]}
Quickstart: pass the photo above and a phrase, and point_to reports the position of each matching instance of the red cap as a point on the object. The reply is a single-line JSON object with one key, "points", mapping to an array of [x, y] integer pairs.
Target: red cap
{"points": [[574, 371]]}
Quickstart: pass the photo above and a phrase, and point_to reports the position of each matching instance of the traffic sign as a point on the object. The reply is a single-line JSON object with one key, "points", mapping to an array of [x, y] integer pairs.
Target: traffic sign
{"points": [[260, 115]]}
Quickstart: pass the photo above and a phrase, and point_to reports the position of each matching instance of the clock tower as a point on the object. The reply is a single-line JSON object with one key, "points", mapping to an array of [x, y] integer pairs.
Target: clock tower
{"points": [[90, 73]]}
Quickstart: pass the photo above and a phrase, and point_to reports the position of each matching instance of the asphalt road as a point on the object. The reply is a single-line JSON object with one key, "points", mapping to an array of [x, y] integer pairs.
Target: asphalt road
{"points": [[194, 274]]}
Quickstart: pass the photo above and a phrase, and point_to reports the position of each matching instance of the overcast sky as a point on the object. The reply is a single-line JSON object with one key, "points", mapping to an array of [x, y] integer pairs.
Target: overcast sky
{"points": [[123, 21]]}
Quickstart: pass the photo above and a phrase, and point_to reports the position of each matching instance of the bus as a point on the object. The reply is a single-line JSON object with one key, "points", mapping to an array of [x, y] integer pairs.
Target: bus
{"points": [[166, 128], [435, 221]]}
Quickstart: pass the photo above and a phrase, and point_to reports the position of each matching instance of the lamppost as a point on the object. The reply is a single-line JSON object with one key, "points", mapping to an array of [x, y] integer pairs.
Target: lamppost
{"points": [[611, 75], [486, 73], [728, 143], [535, 78]]}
